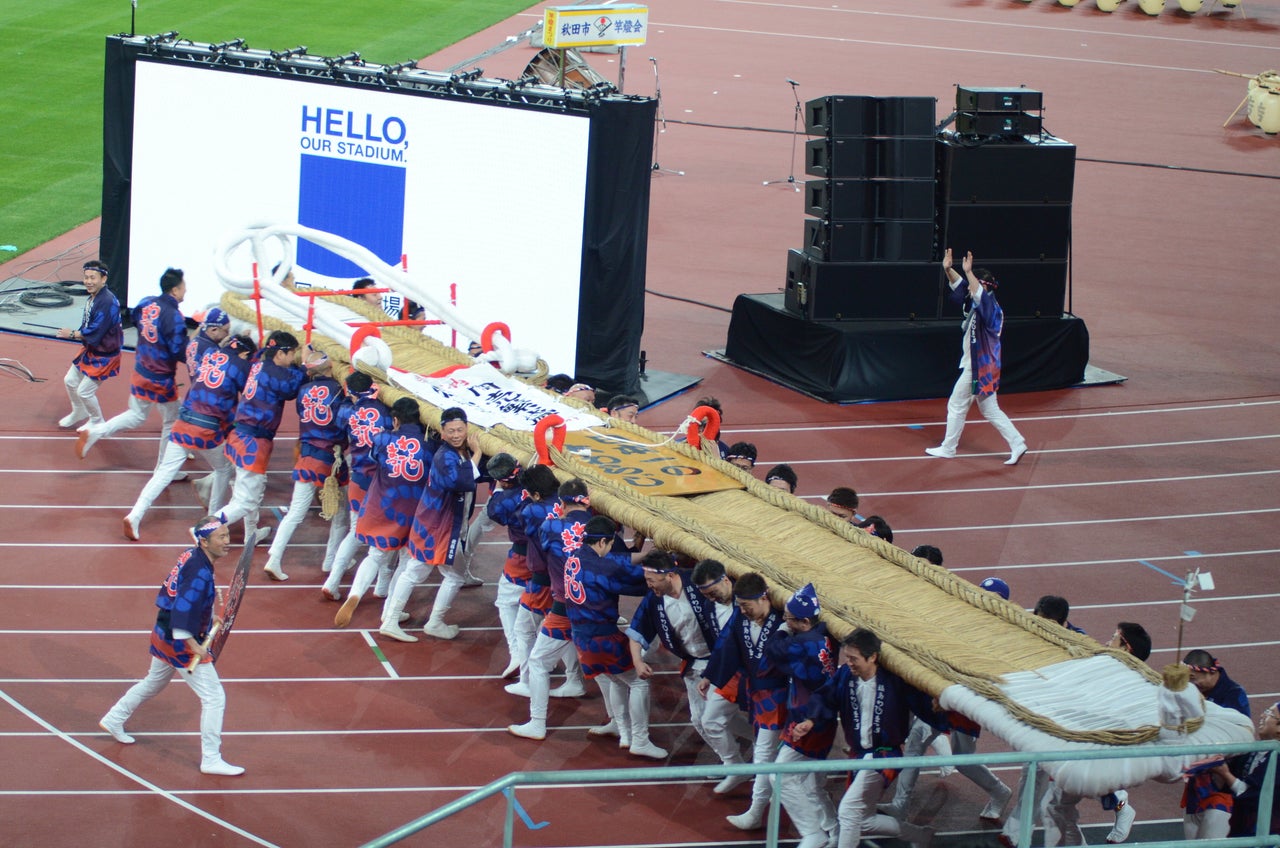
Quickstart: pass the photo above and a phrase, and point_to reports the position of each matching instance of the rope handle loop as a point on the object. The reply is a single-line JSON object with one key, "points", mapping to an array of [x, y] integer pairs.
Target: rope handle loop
{"points": [[363, 332], [711, 429], [487, 334], [555, 424]]}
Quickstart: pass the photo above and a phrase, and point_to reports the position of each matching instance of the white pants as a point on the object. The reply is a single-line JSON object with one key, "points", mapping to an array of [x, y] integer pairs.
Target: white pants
{"points": [[375, 562], [697, 704], [410, 573], [343, 554], [527, 634], [508, 604], [304, 494], [477, 528], [723, 724], [170, 464], [543, 657], [1062, 818], [805, 798], [246, 498], [1207, 824], [958, 408], [203, 681], [133, 417], [918, 740], [857, 811], [765, 750], [628, 699], [83, 394], [339, 529], [1012, 829]]}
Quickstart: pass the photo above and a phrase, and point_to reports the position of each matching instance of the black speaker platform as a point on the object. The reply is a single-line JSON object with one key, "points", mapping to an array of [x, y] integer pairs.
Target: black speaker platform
{"points": [[852, 361]]}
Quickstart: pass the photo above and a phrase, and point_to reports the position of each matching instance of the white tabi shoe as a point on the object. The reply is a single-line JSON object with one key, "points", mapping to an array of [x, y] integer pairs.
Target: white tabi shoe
{"points": [[532, 729], [116, 731], [610, 729], [995, 807], [392, 631], [272, 568], [568, 689], [650, 750], [732, 782], [221, 767], [1125, 814]]}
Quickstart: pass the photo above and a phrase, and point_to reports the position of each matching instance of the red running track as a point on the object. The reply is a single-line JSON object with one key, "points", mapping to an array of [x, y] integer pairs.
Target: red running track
{"points": [[1175, 468]]}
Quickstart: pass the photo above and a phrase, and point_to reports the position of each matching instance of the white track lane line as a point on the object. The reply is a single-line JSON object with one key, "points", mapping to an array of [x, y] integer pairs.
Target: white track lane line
{"points": [[168, 796], [377, 652], [1030, 453], [1091, 521], [1065, 416], [941, 48], [993, 23]]}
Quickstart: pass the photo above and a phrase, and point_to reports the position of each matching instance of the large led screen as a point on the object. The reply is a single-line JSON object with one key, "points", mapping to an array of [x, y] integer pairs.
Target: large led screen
{"points": [[485, 199]]}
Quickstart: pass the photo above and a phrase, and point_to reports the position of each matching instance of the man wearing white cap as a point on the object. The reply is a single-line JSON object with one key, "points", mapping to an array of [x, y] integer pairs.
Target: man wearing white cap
{"points": [[803, 650], [215, 326]]}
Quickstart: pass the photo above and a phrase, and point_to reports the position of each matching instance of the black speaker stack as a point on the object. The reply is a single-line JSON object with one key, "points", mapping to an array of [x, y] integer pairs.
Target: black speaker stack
{"points": [[868, 245], [1006, 196], [889, 194]]}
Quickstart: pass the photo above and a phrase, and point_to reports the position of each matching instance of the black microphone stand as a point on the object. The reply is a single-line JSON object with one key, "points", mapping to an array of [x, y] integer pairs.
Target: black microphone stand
{"points": [[659, 123], [795, 135]]}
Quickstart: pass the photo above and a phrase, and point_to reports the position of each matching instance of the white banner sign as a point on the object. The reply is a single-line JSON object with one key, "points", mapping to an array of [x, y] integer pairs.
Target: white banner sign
{"points": [[490, 397], [621, 25]]}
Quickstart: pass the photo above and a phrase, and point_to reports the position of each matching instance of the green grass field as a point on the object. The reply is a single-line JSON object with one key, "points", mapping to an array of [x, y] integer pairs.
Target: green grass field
{"points": [[51, 58]]}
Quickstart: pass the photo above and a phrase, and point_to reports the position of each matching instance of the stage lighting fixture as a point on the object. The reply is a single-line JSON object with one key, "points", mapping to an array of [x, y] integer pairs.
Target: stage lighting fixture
{"points": [[156, 40], [288, 54], [335, 61]]}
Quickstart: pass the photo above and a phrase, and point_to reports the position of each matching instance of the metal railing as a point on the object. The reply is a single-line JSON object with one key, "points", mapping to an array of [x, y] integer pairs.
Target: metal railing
{"points": [[507, 785]]}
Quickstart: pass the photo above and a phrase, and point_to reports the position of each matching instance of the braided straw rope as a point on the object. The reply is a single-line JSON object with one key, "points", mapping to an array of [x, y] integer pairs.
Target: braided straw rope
{"points": [[937, 629], [331, 499]]}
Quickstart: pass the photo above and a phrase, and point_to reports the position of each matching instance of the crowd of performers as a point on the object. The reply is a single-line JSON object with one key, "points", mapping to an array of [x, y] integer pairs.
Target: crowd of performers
{"points": [[763, 682]]}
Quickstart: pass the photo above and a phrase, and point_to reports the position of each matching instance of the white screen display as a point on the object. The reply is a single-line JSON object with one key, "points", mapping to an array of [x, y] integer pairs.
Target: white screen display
{"points": [[486, 198]]}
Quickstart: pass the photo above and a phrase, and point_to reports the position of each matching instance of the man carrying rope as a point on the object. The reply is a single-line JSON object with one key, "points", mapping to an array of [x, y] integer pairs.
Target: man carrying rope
{"points": [[273, 379], [741, 650], [320, 433], [202, 425], [875, 707]]}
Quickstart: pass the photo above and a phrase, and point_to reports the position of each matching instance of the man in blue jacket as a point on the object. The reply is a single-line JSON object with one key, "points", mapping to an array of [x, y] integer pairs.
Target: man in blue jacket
{"points": [[979, 361]]}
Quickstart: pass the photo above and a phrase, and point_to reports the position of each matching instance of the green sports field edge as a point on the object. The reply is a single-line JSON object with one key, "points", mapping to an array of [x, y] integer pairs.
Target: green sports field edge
{"points": [[51, 58]]}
